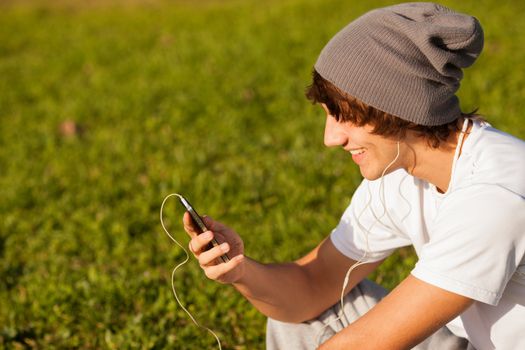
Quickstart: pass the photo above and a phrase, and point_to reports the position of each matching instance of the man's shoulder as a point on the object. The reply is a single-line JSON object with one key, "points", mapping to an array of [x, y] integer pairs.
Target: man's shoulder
{"points": [[494, 157]]}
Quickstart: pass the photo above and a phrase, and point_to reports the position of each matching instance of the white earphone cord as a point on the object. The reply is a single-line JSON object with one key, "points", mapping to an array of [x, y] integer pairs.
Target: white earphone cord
{"points": [[361, 260], [180, 265]]}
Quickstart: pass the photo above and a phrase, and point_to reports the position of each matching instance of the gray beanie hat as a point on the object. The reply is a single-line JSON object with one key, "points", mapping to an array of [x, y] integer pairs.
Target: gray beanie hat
{"points": [[405, 60]]}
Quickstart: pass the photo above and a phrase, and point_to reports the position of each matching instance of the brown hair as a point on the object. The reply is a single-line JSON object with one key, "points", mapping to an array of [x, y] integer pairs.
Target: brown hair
{"points": [[346, 108]]}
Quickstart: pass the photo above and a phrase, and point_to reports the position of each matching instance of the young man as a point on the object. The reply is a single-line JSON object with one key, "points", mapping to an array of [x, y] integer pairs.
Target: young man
{"points": [[445, 182]]}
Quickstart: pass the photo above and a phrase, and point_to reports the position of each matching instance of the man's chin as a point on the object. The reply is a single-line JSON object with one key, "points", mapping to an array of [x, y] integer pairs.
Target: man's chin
{"points": [[369, 176], [374, 175]]}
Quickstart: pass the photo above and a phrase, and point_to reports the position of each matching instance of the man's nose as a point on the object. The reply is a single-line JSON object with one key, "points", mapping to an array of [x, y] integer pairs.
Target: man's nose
{"points": [[332, 133]]}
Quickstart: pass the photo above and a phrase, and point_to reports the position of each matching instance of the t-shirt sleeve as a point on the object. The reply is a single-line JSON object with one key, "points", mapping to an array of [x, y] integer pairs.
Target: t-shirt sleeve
{"points": [[477, 243], [364, 231]]}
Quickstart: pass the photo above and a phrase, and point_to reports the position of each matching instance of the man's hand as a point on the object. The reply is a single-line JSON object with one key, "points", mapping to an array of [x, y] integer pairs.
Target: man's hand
{"points": [[209, 260]]}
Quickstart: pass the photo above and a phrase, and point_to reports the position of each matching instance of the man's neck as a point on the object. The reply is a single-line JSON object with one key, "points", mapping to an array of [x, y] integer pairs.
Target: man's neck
{"points": [[433, 164]]}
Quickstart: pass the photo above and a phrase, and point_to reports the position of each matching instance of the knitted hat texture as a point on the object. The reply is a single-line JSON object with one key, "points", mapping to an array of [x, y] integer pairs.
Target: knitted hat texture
{"points": [[405, 60]]}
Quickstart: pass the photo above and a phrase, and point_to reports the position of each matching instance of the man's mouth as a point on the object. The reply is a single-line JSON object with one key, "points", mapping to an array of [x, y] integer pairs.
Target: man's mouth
{"points": [[355, 152]]}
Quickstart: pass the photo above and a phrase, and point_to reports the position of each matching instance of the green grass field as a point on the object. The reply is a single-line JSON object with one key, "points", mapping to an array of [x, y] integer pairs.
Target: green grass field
{"points": [[107, 107]]}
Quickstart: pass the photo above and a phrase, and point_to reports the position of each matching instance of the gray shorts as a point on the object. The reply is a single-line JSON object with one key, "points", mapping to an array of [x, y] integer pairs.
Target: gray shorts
{"points": [[309, 335]]}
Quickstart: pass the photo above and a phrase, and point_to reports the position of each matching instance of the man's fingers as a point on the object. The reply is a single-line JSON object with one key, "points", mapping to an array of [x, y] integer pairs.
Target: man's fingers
{"points": [[199, 242], [208, 257], [189, 225], [214, 272]]}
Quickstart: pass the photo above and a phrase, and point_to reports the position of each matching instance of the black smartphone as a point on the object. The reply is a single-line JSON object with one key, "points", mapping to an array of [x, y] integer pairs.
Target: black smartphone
{"points": [[199, 223]]}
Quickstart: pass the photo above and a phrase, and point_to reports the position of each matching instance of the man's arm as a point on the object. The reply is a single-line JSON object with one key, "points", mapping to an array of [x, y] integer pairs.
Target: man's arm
{"points": [[289, 292], [302, 290], [404, 318]]}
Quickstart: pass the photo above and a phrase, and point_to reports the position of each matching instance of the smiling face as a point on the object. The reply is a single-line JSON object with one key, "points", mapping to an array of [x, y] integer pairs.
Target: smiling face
{"points": [[372, 153]]}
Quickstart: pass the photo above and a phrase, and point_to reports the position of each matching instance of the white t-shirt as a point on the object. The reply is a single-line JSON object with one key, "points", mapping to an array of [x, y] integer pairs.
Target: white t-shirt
{"points": [[469, 240]]}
